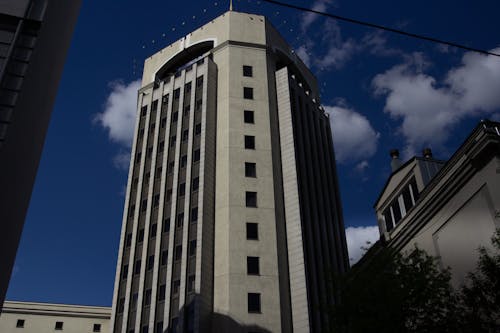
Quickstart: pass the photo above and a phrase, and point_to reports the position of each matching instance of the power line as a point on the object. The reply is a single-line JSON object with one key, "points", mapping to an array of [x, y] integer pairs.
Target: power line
{"points": [[381, 27]]}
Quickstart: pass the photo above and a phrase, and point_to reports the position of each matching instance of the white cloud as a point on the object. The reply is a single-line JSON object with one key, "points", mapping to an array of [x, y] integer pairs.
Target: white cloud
{"points": [[359, 239], [429, 109], [304, 55], [122, 160], [362, 166], [309, 18], [119, 114], [353, 136]]}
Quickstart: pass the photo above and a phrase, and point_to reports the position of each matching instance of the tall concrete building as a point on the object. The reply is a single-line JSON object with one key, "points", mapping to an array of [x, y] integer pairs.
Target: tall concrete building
{"points": [[34, 38], [232, 219]]}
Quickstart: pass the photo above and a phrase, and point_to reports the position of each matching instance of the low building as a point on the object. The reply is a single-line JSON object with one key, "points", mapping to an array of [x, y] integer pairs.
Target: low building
{"points": [[449, 209], [30, 317]]}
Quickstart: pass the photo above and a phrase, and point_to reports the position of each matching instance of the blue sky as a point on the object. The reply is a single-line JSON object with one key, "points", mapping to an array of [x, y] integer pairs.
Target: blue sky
{"points": [[382, 91]]}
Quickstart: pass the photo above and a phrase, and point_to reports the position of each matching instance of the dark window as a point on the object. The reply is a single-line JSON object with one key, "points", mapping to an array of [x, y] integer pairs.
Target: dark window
{"points": [[173, 138], [196, 155], [198, 105], [158, 172], [414, 189], [170, 167], [251, 199], [186, 110], [253, 266], [141, 133], [180, 220], [187, 86], [252, 230], [250, 170], [59, 325], [156, 200], [124, 272], [166, 225], [185, 135], [190, 284], [182, 189], [159, 327], [178, 252], [144, 204], [248, 117], [199, 81], [175, 287], [388, 220], [20, 323], [396, 211], [254, 302], [407, 199], [145, 329], [169, 194], [175, 116], [177, 92], [184, 159], [147, 297], [164, 99], [249, 142], [135, 182], [154, 106], [161, 293], [163, 122], [146, 178], [131, 211], [151, 262], [192, 247], [161, 146], [128, 242], [247, 93], [194, 214], [144, 110], [164, 257], [196, 183], [97, 328], [152, 128], [138, 157], [140, 237], [197, 129], [247, 71], [121, 305], [137, 268], [135, 296], [153, 230]]}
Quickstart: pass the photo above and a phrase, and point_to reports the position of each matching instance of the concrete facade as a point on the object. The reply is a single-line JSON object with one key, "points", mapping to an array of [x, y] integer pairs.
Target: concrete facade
{"points": [[30, 317], [230, 225], [453, 207], [31, 63]]}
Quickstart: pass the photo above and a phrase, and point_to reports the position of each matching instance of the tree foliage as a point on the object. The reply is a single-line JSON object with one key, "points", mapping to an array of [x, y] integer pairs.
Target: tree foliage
{"points": [[393, 292]]}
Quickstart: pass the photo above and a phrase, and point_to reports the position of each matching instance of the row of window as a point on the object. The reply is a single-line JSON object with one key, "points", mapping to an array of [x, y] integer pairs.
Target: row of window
{"points": [[58, 325], [401, 205]]}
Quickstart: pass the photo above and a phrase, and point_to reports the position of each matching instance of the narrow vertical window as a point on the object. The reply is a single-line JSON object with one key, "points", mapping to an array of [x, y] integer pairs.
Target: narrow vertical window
{"points": [[249, 142], [253, 303], [252, 231], [248, 117], [250, 170], [247, 93], [253, 266], [247, 71], [251, 199]]}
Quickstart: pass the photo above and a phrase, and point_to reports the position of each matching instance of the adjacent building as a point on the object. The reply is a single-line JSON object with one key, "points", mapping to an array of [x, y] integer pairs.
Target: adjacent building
{"points": [[34, 38], [30, 317], [450, 208], [232, 218]]}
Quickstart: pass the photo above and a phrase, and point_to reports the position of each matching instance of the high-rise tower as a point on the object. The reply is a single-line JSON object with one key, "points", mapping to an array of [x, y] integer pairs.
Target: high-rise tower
{"points": [[232, 219]]}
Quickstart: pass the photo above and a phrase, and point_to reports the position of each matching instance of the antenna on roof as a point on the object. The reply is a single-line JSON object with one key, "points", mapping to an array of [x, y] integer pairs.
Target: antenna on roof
{"points": [[230, 5]]}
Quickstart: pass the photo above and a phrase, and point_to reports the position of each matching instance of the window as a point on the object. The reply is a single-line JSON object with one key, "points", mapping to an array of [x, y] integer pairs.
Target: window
{"points": [[198, 105], [154, 226], [250, 170], [140, 237], [135, 296], [169, 194], [144, 110], [253, 265], [197, 129], [159, 327], [187, 86], [158, 172], [20, 323], [196, 184], [185, 135], [196, 155], [252, 231], [163, 122], [144, 205], [175, 287], [199, 81], [156, 200], [121, 305], [170, 167], [253, 303], [97, 328], [247, 71], [151, 262], [177, 92], [147, 297], [194, 214], [154, 106], [152, 127], [161, 293], [128, 242], [161, 146], [145, 329], [186, 110], [180, 220], [173, 138], [164, 257], [249, 142], [59, 325], [175, 116], [190, 284], [247, 93], [137, 268], [149, 152], [124, 272], [184, 159], [192, 247], [131, 211], [178, 252], [251, 199], [135, 183], [138, 157], [248, 117], [182, 189], [166, 226]]}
